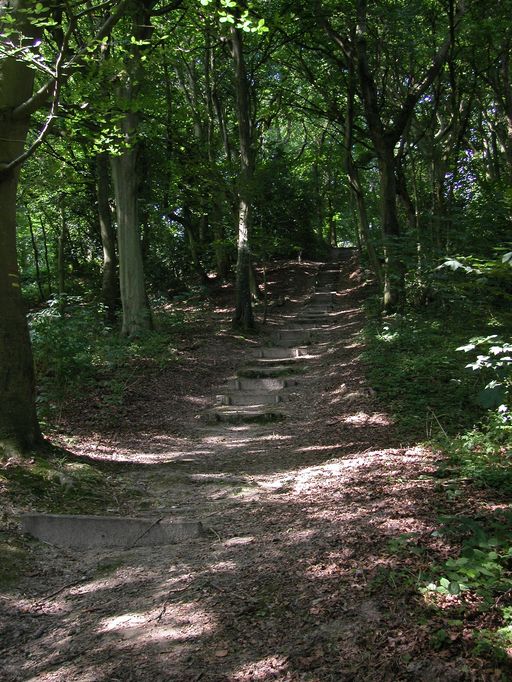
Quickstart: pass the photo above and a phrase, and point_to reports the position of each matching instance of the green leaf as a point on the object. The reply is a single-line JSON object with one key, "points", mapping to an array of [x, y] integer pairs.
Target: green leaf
{"points": [[454, 587]]}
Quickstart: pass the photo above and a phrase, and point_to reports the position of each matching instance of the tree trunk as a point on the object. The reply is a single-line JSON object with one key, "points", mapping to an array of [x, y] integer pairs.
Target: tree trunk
{"points": [[256, 292], [394, 274], [46, 257], [243, 310], [136, 311], [19, 429], [188, 226], [36, 257], [109, 281], [355, 186], [61, 256]]}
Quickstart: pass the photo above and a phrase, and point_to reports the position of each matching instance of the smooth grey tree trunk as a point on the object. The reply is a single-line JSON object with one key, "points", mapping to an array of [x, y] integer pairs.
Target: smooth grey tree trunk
{"points": [[109, 279], [125, 176], [243, 309], [136, 311]]}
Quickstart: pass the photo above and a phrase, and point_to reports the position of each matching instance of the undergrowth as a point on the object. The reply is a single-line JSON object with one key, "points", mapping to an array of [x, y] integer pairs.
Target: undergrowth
{"points": [[55, 481], [444, 372], [76, 350]]}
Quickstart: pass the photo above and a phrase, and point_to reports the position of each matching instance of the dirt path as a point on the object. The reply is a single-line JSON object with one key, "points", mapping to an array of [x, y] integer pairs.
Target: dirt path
{"points": [[292, 579]]}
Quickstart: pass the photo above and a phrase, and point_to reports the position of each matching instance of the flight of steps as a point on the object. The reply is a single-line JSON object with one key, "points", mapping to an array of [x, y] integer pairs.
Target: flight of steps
{"points": [[261, 388]]}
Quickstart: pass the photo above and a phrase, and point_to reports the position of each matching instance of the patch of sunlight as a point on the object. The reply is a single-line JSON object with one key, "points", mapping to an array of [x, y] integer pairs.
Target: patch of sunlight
{"points": [[274, 483], [317, 448], [236, 542], [214, 477], [183, 621], [195, 400], [362, 418], [127, 620], [223, 567], [299, 535], [101, 584], [264, 669]]}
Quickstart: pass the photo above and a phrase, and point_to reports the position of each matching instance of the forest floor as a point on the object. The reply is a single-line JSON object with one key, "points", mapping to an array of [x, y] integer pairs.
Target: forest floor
{"points": [[318, 529]]}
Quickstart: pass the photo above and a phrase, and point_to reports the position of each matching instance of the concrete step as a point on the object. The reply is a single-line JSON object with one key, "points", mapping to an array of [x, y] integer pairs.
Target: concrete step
{"points": [[320, 322], [250, 398], [272, 362], [324, 289], [281, 352], [272, 371], [81, 531], [249, 413], [322, 297], [260, 385], [292, 337]]}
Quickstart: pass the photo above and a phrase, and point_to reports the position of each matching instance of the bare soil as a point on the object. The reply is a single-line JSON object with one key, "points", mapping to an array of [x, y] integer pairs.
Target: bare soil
{"points": [[293, 579]]}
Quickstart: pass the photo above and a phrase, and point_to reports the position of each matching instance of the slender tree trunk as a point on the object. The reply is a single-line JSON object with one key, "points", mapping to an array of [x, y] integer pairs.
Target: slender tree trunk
{"points": [[243, 310], [36, 257], [109, 280], [256, 292], [46, 257], [136, 311], [355, 186], [188, 226], [394, 272], [61, 255]]}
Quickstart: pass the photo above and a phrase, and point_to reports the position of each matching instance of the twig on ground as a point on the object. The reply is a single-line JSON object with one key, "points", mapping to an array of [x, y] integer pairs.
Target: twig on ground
{"points": [[214, 531], [61, 589], [167, 600], [134, 542]]}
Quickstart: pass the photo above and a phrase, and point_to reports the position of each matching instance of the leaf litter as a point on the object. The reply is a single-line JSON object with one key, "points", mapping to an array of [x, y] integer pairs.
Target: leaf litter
{"points": [[294, 580]]}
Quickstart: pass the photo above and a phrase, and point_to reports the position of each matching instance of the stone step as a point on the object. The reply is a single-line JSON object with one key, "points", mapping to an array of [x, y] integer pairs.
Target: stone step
{"points": [[249, 413], [319, 321], [322, 297], [260, 385], [292, 337], [324, 289], [84, 532], [272, 371], [281, 352], [326, 280], [250, 398]]}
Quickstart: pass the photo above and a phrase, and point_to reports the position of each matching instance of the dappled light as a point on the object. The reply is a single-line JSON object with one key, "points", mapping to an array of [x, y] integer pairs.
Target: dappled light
{"points": [[255, 358]]}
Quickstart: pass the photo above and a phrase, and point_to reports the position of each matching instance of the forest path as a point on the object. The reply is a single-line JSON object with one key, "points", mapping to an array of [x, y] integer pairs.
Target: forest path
{"points": [[288, 582]]}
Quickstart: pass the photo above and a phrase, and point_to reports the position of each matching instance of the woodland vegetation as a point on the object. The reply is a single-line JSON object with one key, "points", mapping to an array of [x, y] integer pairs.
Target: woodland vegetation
{"points": [[153, 150]]}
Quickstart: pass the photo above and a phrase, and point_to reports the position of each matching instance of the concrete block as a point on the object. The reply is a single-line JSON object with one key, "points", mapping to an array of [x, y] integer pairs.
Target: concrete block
{"points": [[85, 532], [281, 352], [292, 337], [249, 398], [251, 413], [259, 385]]}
